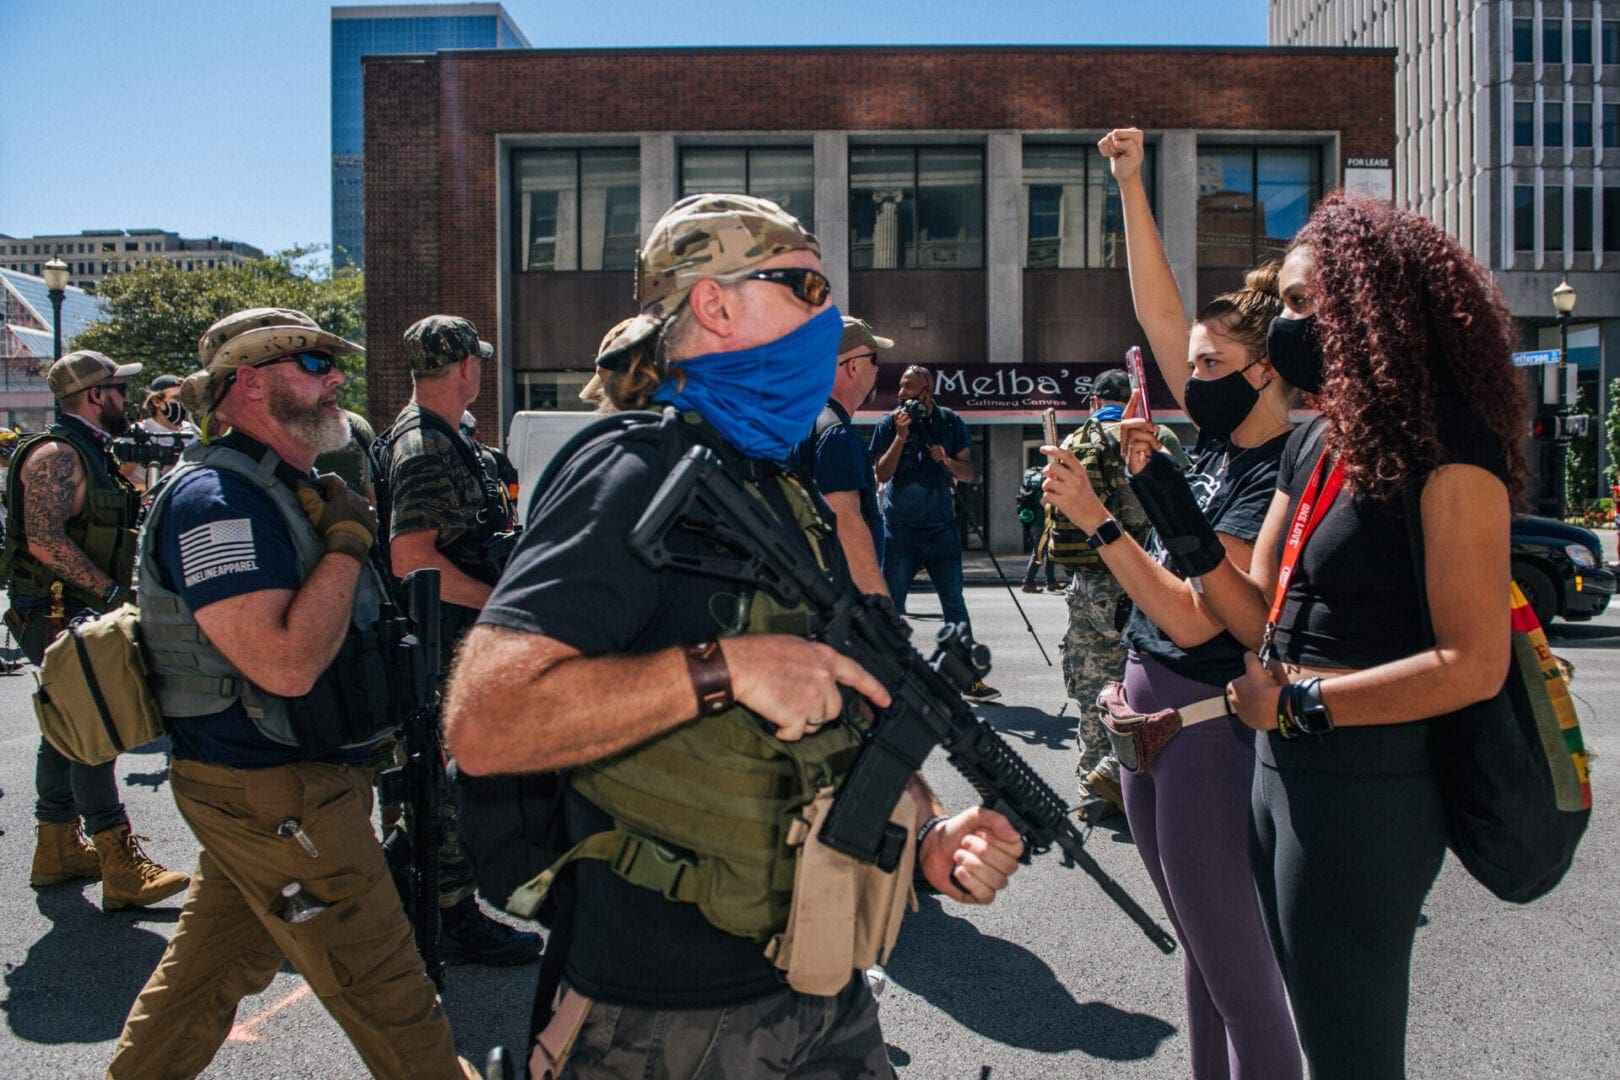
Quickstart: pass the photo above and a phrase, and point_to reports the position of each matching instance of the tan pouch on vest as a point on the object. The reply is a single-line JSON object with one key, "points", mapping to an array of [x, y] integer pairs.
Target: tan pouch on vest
{"points": [[846, 913], [553, 1045]]}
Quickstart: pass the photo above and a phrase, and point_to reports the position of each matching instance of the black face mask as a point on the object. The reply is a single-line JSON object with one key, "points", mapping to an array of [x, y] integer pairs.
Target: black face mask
{"points": [[1296, 352], [1218, 406], [172, 411]]}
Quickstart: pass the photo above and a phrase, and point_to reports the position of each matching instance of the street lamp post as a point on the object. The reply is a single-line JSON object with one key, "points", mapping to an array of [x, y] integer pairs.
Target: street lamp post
{"points": [[1563, 298], [55, 274]]}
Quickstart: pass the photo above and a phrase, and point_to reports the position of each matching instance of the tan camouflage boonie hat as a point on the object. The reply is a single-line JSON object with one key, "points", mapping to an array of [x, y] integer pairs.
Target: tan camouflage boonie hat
{"points": [[702, 236], [441, 340], [84, 369], [858, 332], [250, 337]]}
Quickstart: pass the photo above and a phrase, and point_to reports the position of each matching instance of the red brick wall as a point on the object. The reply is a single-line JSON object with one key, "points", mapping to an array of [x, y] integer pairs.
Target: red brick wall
{"points": [[431, 129]]}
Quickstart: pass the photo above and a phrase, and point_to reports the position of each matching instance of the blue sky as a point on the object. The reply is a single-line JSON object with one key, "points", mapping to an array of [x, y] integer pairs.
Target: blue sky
{"points": [[212, 117]]}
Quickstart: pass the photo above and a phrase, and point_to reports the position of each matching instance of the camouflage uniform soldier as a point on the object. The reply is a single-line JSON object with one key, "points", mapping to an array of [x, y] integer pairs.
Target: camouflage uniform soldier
{"points": [[1098, 608], [432, 504]]}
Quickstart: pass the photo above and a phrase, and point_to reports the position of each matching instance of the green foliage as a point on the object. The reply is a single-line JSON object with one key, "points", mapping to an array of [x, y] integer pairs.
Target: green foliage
{"points": [[1580, 463], [156, 312], [1612, 423]]}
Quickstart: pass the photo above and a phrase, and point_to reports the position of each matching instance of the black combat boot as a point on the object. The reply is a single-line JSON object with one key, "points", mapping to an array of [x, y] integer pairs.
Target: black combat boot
{"points": [[468, 936]]}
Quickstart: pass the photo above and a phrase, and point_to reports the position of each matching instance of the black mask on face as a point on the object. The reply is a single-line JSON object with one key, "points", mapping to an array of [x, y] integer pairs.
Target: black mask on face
{"points": [[172, 411], [1218, 406], [1296, 352]]}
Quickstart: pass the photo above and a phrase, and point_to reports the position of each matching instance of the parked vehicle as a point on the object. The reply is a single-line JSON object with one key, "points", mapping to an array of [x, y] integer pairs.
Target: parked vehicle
{"points": [[1560, 569]]}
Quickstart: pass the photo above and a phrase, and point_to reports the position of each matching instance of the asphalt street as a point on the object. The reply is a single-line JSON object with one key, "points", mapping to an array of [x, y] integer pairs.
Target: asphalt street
{"points": [[1051, 981]]}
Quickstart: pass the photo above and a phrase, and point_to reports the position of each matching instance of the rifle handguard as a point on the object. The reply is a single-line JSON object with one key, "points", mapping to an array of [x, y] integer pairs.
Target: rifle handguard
{"points": [[1171, 505]]}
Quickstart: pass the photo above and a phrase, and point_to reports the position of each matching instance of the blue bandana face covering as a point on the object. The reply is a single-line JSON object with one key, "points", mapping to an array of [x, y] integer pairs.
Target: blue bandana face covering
{"points": [[764, 400]]}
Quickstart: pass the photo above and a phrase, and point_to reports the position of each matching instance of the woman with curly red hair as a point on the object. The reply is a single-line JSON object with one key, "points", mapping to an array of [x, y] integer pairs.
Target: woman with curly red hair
{"points": [[1407, 342]]}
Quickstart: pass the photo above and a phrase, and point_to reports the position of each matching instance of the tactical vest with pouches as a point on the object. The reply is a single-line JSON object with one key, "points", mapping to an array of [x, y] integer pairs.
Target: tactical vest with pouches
{"points": [[702, 813], [1095, 444], [104, 530], [193, 678]]}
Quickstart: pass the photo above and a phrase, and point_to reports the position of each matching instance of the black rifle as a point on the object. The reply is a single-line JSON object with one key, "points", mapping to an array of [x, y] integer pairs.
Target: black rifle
{"points": [[926, 710], [412, 847], [142, 447]]}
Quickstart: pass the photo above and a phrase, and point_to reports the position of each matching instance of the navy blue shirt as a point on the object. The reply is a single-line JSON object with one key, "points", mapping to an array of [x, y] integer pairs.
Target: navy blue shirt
{"points": [[219, 537], [919, 494], [838, 461]]}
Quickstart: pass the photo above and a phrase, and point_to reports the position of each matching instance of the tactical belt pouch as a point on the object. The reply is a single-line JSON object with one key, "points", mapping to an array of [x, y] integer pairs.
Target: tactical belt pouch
{"points": [[1139, 739], [352, 701], [95, 698], [846, 913], [554, 1045]]}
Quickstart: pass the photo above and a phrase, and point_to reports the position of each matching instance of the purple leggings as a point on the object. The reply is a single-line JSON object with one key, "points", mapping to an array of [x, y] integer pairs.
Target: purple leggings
{"points": [[1189, 817]]}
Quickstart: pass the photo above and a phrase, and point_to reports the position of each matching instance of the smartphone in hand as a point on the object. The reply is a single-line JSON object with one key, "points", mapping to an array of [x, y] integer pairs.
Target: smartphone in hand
{"points": [[1049, 423], [1133, 370]]}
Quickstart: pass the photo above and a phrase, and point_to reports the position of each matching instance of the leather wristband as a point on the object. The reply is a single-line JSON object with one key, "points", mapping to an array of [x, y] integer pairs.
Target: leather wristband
{"points": [[711, 679], [920, 881]]}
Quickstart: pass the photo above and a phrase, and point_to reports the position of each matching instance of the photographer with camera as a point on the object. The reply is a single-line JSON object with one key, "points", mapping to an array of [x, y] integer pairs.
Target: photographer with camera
{"points": [[923, 451], [154, 443]]}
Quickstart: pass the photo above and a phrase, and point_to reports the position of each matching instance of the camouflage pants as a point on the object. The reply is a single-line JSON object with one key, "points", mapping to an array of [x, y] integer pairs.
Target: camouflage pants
{"points": [[784, 1034], [455, 872], [1092, 658]]}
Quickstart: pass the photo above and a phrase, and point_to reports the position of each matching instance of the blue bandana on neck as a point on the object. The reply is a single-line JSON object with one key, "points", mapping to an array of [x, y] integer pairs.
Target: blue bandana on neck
{"points": [[763, 400]]}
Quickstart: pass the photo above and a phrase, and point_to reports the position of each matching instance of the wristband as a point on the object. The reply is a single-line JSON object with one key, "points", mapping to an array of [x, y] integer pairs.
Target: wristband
{"points": [[919, 880], [711, 679]]}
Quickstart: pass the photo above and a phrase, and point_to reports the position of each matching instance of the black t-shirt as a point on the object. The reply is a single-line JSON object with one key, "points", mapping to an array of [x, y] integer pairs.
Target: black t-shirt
{"points": [[573, 578], [1235, 492], [1353, 599]]}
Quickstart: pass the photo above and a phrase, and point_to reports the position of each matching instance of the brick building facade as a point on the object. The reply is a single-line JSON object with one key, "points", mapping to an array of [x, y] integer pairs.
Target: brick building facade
{"points": [[961, 205]]}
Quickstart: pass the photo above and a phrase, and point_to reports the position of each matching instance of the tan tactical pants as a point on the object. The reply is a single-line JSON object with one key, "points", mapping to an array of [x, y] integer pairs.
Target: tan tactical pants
{"points": [[358, 955]]}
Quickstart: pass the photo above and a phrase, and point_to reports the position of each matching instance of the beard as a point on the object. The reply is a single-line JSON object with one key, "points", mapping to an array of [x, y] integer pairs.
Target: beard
{"points": [[310, 424], [113, 420]]}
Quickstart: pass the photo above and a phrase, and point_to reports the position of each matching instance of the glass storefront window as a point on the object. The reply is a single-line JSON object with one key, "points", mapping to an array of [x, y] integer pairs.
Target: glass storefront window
{"points": [[577, 209], [1252, 200], [552, 391], [1072, 216], [913, 207], [785, 175]]}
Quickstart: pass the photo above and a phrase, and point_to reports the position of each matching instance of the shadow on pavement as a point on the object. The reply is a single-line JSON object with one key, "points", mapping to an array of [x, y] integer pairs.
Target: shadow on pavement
{"points": [[78, 981], [1032, 726], [1585, 634], [1007, 994]]}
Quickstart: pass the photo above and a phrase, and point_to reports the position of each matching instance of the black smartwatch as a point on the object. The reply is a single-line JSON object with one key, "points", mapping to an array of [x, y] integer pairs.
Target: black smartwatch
{"points": [[1106, 534]]}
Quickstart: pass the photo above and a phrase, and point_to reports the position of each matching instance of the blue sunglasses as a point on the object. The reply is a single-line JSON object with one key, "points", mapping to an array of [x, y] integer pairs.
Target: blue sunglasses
{"points": [[312, 362]]}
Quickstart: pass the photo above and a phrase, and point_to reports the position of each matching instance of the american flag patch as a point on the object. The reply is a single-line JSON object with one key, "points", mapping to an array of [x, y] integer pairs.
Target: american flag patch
{"points": [[215, 549]]}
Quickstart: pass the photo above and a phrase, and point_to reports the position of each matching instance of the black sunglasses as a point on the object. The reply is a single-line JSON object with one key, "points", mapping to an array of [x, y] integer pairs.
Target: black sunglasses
{"points": [[122, 388], [872, 356], [811, 286], [312, 362]]}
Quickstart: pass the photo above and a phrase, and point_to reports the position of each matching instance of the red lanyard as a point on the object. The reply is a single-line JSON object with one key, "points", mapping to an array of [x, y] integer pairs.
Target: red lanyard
{"points": [[1313, 507]]}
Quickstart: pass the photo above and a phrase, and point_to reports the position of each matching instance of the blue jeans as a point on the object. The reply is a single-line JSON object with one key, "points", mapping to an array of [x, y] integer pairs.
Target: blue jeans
{"points": [[935, 548]]}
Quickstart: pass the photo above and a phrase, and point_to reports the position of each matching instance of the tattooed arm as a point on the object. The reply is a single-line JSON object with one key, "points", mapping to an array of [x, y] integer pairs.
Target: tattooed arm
{"points": [[53, 491]]}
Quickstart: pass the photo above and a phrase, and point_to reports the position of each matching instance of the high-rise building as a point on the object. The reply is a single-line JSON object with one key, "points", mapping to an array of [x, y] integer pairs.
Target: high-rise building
{"points": [[393, 28], [1507, 134]]}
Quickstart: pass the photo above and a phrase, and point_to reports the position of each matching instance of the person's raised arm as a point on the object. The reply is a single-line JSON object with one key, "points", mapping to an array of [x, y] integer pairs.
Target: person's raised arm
{"points": [[1153, 284], [888, 459]]}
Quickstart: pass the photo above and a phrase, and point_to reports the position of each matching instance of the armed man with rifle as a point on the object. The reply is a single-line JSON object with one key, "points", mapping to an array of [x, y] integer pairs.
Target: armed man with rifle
{"points": [[698, 725], [277, 668], [439, 509]]}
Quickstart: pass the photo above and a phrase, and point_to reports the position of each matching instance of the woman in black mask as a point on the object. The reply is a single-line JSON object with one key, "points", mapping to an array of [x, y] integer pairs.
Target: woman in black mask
{"points": [[1189, 808]]}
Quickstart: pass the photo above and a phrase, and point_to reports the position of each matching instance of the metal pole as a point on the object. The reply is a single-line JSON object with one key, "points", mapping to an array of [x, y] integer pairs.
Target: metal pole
{"points": [[56, 337]]}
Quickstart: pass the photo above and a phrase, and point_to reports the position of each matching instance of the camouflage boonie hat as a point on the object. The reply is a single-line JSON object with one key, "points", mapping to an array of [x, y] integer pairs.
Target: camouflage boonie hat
{"points": [[858, 332], [441, 340], [84, 369], [703, 236], [249, 337], [594, 389]]}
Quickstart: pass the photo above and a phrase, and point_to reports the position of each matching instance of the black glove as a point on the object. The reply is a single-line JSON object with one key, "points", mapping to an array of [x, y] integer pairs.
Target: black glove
{"points": [[1173, 508]]}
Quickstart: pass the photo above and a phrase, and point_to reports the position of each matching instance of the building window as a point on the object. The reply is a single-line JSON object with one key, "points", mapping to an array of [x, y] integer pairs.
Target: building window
{"points": [[1611, 125], [785, 175], [1552, 41], [577, 209], [916, 207], [1552, 219], [1552, 123], [1252, 200], [1582, 211], [1524, 218], [1523, 39], [552, 391], [1524, 123], [1073, 217], [1581, 123], [1611, 219], [1611, 41], [1580, 41]]}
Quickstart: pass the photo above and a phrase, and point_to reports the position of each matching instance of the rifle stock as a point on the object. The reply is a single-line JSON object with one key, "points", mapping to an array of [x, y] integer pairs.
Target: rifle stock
{"points": [[926, 710]]}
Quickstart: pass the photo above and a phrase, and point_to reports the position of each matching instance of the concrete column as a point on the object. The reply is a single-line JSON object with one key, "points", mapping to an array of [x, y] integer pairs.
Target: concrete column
{"points": [[1177, 210], [830, 150], [1004, 444], [1004, 276], [657, 178]]}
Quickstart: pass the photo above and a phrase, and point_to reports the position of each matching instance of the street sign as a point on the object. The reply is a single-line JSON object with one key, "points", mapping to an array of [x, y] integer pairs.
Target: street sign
{"points": [[1540, 356]]}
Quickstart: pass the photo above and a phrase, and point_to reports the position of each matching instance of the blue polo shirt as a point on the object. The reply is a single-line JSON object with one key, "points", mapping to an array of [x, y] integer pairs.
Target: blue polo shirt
{"points": [[838, 461], [919, 494]]}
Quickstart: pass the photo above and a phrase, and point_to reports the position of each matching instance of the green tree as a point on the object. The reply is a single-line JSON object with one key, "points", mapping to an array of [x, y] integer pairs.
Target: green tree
{"points": [[1612, 423], [156, 312], [1580, 462]]}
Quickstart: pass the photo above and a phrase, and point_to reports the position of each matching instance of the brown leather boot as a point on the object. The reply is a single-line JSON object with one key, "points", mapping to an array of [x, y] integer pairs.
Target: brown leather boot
{"points": [[62, 854], [128, 877]]}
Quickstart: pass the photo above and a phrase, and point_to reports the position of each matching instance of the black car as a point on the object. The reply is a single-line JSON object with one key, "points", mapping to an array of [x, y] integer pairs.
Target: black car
{"points": [[1560, 569]]}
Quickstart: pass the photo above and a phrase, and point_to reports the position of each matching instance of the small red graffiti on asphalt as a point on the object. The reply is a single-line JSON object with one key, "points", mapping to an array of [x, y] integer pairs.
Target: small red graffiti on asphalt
{"points": [[248, 1030]]}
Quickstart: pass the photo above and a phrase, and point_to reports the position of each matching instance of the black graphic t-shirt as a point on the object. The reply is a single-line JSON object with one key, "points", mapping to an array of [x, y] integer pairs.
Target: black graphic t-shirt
{"points": [[1234, 487]]}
